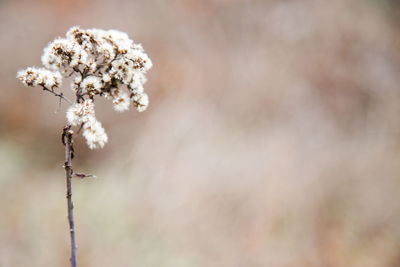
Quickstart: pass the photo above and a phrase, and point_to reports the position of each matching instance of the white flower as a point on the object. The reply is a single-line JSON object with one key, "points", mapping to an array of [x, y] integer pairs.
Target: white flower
{"points": [[137, 82], [121, 102], [141, 101], [94, 134], [91, 83], [73, 32], [80, 112], [118, 68], [40, 76], [76, 83], [138, 89], [140, 59], [107, 50], [106, 78], [63, 53], [78, 79], [83, 38], [92, 66], [29, 76], [51, 79], [78, 56], [120, 40]]}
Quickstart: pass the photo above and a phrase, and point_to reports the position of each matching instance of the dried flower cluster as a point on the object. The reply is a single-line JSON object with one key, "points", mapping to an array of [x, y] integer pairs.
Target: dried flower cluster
{"points": [[102, 63]]}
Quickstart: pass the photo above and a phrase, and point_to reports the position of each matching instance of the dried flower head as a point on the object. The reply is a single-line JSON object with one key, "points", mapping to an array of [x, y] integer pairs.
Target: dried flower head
{"points": [[40, 76], [80, 112], [104, 64], [121, 102], [94, 133], [140, 101]]}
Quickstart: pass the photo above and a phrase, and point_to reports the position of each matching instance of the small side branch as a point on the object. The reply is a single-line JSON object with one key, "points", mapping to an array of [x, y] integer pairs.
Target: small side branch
{"points": [[68, 143], [83, 175], [60, 95]]}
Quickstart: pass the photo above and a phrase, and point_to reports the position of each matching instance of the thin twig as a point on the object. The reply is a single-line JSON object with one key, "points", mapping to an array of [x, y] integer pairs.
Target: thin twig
{"points": [[80, 128], [67, 141], [61, 95], [83, 175]]}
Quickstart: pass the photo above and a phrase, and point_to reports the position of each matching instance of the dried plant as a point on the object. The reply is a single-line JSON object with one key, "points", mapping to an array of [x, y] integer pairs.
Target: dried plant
{"points": [[102, 64]]}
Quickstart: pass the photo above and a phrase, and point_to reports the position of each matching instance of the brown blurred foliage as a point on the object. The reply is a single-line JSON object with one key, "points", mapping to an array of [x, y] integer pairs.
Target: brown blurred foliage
{"points": [[272, 138]]}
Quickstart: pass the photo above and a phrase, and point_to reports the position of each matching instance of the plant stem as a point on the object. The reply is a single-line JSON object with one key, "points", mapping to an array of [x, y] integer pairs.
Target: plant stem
{"points": [[67, 141], [61, 95]]}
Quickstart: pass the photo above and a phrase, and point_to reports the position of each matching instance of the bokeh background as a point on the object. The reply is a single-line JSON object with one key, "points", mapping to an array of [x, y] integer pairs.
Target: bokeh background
{"points": [[272, 138]]}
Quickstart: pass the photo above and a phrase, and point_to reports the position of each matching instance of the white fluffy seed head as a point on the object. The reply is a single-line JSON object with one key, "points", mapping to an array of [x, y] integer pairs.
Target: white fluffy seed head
{"points": [[91, 84], [80, 112], [106, 78], [140, 101], [138, 80], [109, 55], [40, 76], [121, 102], [103, 64], [62, 54], [94, 134]]}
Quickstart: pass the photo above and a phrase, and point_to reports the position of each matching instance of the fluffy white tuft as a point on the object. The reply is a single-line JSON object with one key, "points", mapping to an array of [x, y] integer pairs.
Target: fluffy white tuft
{"points": [[121, 102], [141, 101], [80, 112], [94, 134]]}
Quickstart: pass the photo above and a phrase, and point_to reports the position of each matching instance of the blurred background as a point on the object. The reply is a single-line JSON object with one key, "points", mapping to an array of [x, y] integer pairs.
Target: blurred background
{"points": [[272, 138]]}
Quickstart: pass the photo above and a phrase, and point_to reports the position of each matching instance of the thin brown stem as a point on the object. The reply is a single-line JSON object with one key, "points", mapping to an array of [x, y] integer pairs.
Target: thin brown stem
{"points": [[69, 152], [60, 95]]}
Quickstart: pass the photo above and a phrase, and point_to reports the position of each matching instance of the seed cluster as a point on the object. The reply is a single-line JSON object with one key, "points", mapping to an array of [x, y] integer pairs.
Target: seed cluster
{"points": [[102, 64]]}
